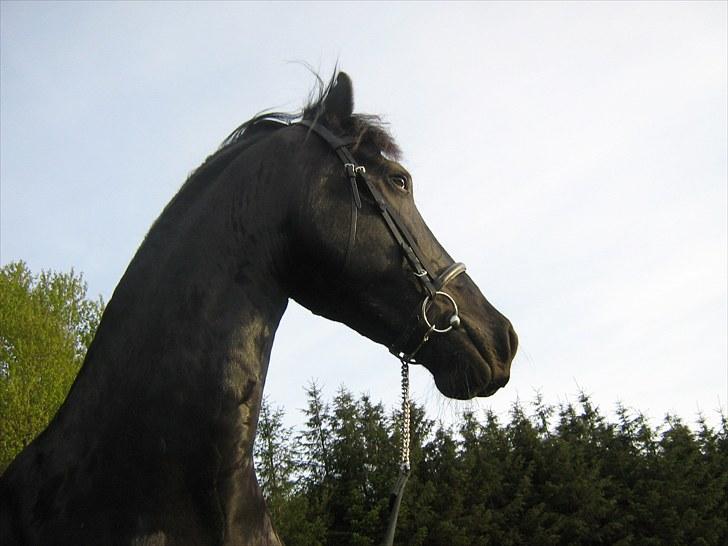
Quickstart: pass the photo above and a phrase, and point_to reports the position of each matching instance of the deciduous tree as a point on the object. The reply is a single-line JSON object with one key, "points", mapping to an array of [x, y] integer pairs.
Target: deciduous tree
{"points": [[46, 326]]}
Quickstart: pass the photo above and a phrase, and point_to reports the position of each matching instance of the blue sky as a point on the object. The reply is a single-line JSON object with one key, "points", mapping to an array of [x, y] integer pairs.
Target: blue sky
{"points": [[574, 155]]}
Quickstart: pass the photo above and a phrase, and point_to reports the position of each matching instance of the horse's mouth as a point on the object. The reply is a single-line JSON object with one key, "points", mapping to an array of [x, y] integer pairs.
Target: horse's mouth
{"points": [[465, 375], [470, 373], [462, 382]]}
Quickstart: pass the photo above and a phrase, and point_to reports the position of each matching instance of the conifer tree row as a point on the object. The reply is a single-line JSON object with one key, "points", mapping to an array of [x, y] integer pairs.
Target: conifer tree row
{"points": [[550, 475]]}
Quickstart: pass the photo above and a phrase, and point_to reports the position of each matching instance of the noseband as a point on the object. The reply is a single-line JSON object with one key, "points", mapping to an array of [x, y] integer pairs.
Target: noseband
{"points": [[406, 346]]}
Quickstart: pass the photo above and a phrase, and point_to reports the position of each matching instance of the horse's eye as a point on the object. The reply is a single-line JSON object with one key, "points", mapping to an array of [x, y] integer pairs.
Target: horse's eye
{"points": [[399, 181]]}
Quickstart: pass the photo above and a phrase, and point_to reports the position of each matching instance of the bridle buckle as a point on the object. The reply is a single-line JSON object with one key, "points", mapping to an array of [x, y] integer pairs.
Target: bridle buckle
{"points": [[353, 170]]}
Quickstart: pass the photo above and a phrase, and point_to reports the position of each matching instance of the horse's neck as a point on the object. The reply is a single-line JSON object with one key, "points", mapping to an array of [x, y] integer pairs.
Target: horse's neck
{"points": [[200, 340], [172, 385]]}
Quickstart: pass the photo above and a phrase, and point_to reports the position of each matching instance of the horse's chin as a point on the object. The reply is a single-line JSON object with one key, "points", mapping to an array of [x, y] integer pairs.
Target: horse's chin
{"points": [[463, 381]]}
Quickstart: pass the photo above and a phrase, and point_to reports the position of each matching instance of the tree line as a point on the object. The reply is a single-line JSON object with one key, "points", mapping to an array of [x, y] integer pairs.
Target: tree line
{"points": [[548, 475]]}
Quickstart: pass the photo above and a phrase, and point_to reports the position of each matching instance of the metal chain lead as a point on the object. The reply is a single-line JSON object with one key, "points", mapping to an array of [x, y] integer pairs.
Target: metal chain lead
{"points": [[404, 449]]}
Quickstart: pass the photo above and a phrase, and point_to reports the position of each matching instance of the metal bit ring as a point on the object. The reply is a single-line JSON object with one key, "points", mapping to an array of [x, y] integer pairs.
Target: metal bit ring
{"points": [[455, 314]]}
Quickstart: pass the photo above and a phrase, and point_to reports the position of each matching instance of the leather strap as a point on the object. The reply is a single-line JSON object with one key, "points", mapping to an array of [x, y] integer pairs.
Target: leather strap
{"points": [[340, 146]]}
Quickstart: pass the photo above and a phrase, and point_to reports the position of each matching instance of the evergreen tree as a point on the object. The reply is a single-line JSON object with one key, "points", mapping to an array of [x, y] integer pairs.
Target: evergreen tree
{"points": [[685, 505], [713, 447], [444, 486], [575, 490], [315, 440], [348, 503], [314, 467], [274, 458], [278, 466]]}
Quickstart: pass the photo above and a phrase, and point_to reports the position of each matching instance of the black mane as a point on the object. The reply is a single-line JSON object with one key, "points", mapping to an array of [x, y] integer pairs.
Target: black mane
{"points": [[367, 129]]}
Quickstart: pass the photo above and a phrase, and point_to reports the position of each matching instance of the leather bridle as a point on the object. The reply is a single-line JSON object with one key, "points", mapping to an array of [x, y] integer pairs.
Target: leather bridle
{"points": [[406, 346]]}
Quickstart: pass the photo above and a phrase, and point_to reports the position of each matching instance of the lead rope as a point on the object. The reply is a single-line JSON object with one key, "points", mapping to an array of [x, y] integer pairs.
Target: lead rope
{"points": [[395, 498], [404, 448]]}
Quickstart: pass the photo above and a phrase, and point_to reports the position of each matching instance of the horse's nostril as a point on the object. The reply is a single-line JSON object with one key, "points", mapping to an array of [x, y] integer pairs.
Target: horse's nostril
{"points": [[512, 340]]}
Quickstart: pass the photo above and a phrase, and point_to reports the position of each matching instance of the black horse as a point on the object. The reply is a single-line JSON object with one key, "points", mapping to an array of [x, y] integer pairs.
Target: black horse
{"points": [[154, 443]]}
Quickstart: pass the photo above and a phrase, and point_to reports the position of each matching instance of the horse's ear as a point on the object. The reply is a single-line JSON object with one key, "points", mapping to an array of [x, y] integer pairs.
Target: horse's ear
{"points": [[339, 101]]}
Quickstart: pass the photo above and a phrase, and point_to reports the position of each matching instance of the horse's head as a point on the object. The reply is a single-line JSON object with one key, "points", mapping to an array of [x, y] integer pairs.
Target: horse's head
{"points": [[363, 255]]}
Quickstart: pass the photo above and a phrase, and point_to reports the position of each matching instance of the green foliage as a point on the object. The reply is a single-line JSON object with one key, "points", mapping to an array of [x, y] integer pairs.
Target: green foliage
{"points": [[275, 455], [561, 475], [46, 326]]}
